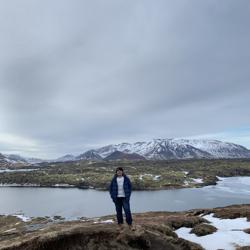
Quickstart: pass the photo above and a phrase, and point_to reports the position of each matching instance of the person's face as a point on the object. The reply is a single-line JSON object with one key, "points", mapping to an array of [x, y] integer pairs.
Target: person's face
{"points": [[119, 172]]}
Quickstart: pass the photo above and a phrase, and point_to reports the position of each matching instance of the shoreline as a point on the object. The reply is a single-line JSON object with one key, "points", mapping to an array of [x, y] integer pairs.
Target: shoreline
{"points": [[170, 187]]}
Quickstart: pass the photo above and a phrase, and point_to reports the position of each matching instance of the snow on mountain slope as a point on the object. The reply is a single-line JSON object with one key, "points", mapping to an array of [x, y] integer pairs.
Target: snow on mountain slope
{"points": [[7, 160], [166, 149], [161, 149], [217, 148], [156, 149], [67, 157], [15, 158]]}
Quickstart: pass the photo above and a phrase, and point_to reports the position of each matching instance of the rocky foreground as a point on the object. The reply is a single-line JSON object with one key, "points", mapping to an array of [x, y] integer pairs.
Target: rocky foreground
{"points": [[153, 230]]}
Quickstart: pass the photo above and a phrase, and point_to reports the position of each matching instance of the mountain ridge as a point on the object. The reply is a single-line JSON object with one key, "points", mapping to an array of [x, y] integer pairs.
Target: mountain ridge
{"points": [[164, 149], [155, 149]]}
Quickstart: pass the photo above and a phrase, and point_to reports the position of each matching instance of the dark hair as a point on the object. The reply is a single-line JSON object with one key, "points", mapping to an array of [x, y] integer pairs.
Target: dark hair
{"points": [[119, 168]]}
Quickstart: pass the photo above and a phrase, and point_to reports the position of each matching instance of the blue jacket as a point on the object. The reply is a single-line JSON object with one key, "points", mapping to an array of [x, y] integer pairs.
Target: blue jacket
{"points": [[113, 187]]}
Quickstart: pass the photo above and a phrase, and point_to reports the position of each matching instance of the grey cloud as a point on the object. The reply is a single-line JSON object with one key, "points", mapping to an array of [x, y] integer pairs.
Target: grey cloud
{"points": [[80, 73]]}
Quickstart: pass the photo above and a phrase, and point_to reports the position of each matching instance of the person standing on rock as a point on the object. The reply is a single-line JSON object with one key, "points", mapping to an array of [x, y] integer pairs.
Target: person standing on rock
{"points": [[120, 190]]}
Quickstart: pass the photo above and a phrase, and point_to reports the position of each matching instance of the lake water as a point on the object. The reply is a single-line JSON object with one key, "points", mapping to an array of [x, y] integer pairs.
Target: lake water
{"points": [[73, 203]]}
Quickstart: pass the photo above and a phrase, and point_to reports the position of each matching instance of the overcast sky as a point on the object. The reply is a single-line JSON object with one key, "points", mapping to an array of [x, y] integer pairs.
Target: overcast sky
{"points": [[77, 74]]}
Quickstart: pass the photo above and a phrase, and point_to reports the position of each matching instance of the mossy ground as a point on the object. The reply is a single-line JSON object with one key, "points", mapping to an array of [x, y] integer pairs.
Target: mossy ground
{"points": [[145, 175]]}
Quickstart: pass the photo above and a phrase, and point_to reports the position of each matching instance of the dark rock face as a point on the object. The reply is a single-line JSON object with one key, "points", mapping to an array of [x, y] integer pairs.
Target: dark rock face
{"points": [[117, 155], [89, 155]]}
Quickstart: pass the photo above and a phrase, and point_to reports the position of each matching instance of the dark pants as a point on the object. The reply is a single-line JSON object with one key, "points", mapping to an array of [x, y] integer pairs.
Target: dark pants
{"points": [[122, 202]]}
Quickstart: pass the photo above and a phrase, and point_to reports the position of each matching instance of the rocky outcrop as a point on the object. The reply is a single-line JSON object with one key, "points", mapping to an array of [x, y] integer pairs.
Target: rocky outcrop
{"points": [[118, 155], [203, 229], [156, 234]]}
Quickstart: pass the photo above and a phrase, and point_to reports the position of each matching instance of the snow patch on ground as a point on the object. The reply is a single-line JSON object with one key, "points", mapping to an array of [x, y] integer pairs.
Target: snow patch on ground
{"points": [[104, 221], [197, 180], [141, 175], [220, 178], [154, 177], [22, 217], [63, 185], [192, 181], [228, 236], [107, 221]]}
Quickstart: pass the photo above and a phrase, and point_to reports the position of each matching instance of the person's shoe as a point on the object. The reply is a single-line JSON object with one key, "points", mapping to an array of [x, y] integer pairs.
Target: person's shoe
{"points": [[132, 227], [120, 227]]}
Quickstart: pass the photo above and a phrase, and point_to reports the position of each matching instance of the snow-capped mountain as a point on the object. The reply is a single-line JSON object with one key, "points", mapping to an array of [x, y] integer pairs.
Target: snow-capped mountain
{"points": [[89, 155], [218, 149], [15, 158], [163, 149], [7, 160], [156, 149]]}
